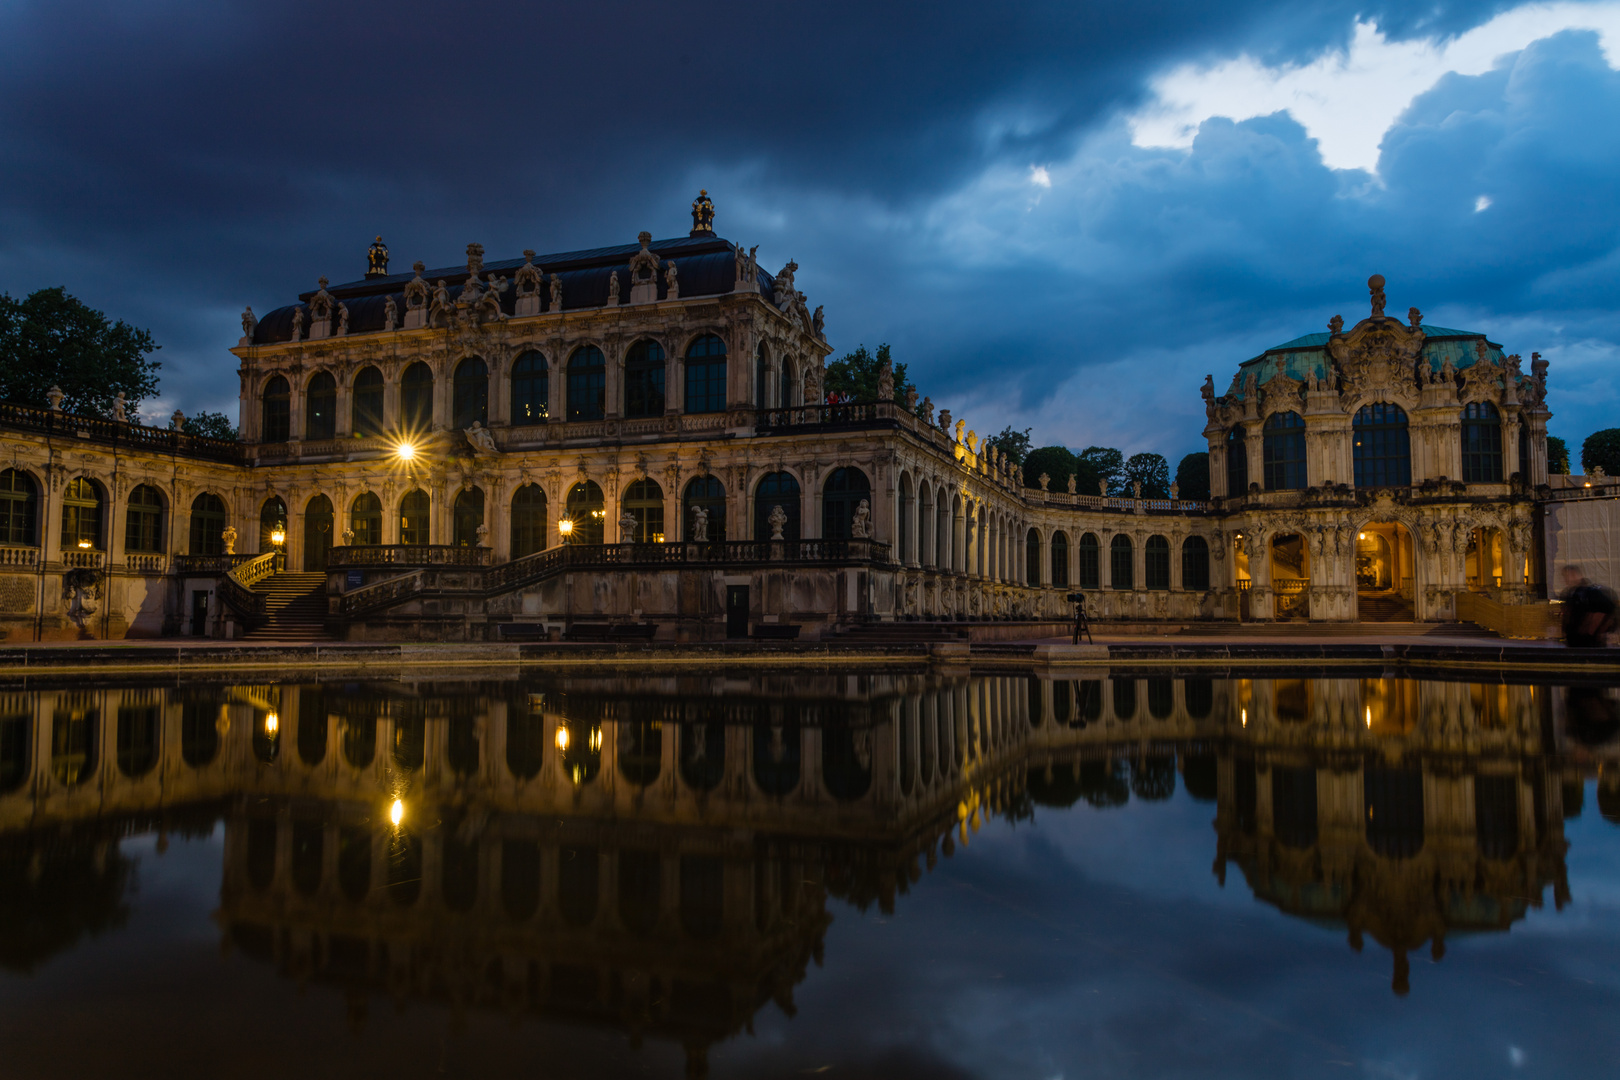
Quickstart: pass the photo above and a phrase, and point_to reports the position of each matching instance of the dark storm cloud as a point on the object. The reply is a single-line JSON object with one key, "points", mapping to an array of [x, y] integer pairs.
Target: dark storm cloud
{"points": [[172, 162]]}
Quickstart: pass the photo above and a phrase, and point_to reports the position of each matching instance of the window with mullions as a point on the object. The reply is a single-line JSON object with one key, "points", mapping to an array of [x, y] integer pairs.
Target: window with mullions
{"points": [[706, 492], [1195, 564], [81, 515], [467, 517], [1482, 444], [413, 517], [469, 393], [143, 521], [528, 520], [366, 415], [1237, 462], [1120, 571], [19, 508], [644, 501], [276, 411], [706, 375], [1382, 448], [365, 519], [841, 497], [531, 390], [1060, 560], [1156, 563], [644, 380], [776, 489], [320, 407], [1090, 558], [587, 384], [207, 525], [1032, 557], [416, 398], [584, 510], [1282, 449]]}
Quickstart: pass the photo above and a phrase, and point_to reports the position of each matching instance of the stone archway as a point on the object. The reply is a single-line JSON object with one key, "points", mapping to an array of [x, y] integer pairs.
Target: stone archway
{"points": [[1385, 572], [1290, 556]]}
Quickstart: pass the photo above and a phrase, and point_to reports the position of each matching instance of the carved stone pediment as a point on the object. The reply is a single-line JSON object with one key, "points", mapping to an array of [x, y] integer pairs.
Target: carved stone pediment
{"points": [[1378, 361]]}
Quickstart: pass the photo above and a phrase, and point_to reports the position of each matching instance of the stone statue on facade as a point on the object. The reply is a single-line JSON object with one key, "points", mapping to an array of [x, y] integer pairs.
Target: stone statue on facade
{"points": [[777, 521], [177, 422], [1102, 487], [475, 260], [228, 537], [82, 588], [1044, 480], [121, 408], [1336, 325], [945, 421], [1175, 490], [390, 314], [297, 324], [886, 382], [961, 429], [1414, 318], [700, 525], [613, 290], [556, 292], [482, 535], [416, 289], [911, 399], [627, 527], [860, 526], [1375, 286], [1208, 392], [480, 439], [489, 306], [442, 304], [250, 322], [1073, 484], [783, 293], [672, 280], [927, 413], [818, 321], [343, 320]]}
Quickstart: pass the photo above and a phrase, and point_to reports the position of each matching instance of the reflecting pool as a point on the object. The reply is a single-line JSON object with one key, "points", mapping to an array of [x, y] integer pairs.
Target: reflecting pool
{"points": [[1125, 874]]}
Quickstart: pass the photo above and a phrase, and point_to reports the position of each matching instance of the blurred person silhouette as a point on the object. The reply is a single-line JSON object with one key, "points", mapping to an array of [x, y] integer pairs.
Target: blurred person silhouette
{"points": [[1588, 611]]}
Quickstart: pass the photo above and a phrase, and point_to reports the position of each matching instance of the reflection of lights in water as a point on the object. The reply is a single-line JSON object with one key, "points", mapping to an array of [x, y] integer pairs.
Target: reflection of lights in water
{"points": [[272, 723], [596, 738], [1243, 714], [562, 737], [1369, 716], [396, 813]]}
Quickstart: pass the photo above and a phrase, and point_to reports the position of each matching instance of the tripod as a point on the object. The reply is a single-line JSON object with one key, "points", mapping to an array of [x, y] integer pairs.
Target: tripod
{"points": [[1082, 625]]}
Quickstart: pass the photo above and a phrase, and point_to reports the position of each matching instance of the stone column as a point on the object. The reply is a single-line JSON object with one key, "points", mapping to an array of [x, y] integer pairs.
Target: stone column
{"points": [[345, 408], [613, 406]]}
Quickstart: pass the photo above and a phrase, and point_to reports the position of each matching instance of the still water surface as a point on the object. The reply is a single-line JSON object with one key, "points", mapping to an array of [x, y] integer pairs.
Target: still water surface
{"points": [[865, 876]]}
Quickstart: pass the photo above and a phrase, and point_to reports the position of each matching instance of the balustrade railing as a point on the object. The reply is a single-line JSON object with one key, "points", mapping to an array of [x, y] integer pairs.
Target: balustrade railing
{"points": [[78, 559], [19, 556], [210, 564], [113, 432], [145, 564], [236, 586], [364, 555], [379, 594]]}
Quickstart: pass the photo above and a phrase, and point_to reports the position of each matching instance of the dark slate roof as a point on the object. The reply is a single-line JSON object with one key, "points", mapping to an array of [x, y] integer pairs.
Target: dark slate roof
{"points": [[1306, 356], [706, 266]]}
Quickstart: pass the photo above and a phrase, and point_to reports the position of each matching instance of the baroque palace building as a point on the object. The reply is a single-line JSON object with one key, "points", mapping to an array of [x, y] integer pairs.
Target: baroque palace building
{"points": [[635, 440]]}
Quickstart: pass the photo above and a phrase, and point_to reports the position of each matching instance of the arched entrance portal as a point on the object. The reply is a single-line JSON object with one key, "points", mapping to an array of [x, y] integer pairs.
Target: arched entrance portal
{"points": [[1290, 577], [1384, 573]]}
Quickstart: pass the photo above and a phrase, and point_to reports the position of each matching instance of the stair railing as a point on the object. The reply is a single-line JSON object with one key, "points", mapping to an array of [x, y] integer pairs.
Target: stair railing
{"points": [[236, 587]]}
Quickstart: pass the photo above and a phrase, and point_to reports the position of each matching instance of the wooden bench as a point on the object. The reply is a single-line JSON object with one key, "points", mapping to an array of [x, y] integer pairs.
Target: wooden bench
{"points": [[775, 631]]}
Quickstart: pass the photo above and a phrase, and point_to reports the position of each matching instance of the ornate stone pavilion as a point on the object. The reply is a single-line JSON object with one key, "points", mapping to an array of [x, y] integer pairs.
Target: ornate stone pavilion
{"points": [[634, 440]]}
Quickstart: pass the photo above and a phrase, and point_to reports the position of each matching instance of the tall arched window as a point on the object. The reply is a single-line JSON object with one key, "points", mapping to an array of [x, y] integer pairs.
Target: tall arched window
{"points": [[468, 513], [584, 514], [365, 519], [276, 410], [1032, 557], [19, 508], [708, 493], [587, 384], [416, 398], [1282, 449], [143, 522], [841, 496], [1195, 564], [469, 392], [414, 509], [207, 525], [1482, 444], [644, 380], [320, 407], [366, 411], [1060, 560], [1120, 571], [1156, 563], [81, 515], [1382, 448], [706, 375], [272, 518], [1090, 557], [1237, 462], [531, 390], [528, 520], [318, 526], [644, 500], [776, 489]]}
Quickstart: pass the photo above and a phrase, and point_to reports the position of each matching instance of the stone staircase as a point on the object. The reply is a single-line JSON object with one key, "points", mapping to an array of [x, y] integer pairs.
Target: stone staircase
{"points": [[1384, 609], [296, 606]]}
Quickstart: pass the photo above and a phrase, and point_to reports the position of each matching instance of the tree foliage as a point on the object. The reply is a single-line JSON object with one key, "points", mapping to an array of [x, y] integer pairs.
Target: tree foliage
{"points": [[1057, 462], [1151, 471], [1192, 476], [52, 339], [1557, 455], [854, 376], [1011, 444], [211, 425], [1096, 465], [1601, 450]]}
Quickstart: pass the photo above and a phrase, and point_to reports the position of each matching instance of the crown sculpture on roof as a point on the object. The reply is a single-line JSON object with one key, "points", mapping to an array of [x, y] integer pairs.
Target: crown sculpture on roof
{"points": [[377, 259], [703, 214]]}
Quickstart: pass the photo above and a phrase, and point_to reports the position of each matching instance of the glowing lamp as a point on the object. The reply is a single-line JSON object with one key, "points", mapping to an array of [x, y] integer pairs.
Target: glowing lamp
{"points": [[278, 537], [405, 451], [84, 545], [396, 813], [565, 527]]}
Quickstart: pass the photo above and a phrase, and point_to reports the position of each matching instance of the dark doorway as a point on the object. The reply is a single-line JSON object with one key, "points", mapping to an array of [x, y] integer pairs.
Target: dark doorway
{"points": [[199, 613], [736, 611], [317, 533]]}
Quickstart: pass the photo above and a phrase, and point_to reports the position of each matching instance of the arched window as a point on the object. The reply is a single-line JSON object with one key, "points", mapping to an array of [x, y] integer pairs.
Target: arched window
{"points": [[776, 489], [785, 384], [414, 509], [644, 500], [143, 522], [1156, 563], [469, 392], [706, 375], [416, 398], [1482, 444], [587, 384], [760, 371], [583, 514], [1060, 560], [1090, 555], [1032, 557], [528, 520], [276, 406], [841, 497], [318, 521], [706, 492], [1282, 448], [1237, 462], [272, 518], [644, 379], [1382, 448], [365, 519], [366, 410], [207, 524], [81, 515], [139, 728], [468, 513], [19, 508], [531, 390], [320, 407], [1195, 564], [1119, 562]]}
